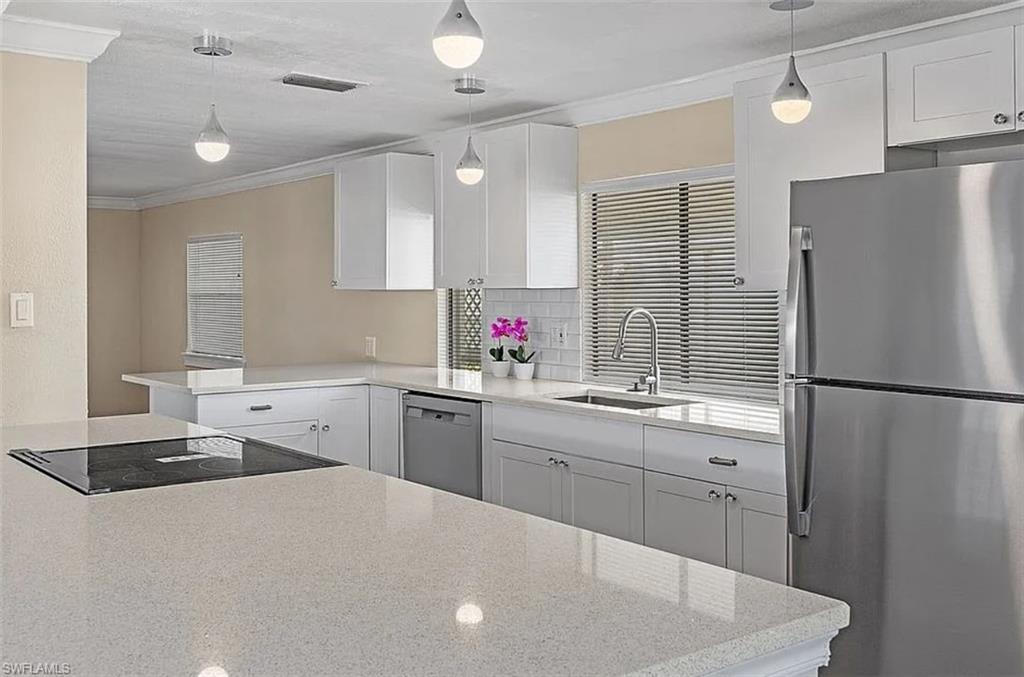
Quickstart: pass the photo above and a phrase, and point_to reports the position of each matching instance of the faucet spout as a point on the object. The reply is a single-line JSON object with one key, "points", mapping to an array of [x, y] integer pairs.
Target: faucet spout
{"points": [[653, 377]]}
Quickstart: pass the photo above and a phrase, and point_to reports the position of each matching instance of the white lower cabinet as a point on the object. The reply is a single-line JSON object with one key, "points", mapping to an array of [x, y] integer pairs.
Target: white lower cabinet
{"points": [[344, 415], [386, 430], [604, 497], [298, 435], [526, 479], [742, 529]]}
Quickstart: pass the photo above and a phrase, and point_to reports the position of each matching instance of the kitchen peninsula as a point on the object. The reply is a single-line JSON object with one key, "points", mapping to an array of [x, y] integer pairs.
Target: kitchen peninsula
{"points": [[344, 571]]}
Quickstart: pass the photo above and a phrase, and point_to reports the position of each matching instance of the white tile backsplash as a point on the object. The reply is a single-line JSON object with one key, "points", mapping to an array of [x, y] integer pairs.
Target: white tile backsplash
{"points": [[545, 310]]}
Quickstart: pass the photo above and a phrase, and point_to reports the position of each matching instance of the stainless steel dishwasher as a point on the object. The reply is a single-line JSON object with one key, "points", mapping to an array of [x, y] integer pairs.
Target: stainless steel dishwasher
{"points": [[442, 443]]}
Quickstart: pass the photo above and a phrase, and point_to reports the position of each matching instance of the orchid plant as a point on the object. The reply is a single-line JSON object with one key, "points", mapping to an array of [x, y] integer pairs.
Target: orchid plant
{"points": [[520, 335], [500, 328]]}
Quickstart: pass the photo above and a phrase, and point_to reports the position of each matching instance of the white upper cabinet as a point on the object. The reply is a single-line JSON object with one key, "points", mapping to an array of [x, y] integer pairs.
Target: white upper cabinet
{"points": [[517, 228], [843, 135], [1019, 48], [384, 222], [962, 86]]}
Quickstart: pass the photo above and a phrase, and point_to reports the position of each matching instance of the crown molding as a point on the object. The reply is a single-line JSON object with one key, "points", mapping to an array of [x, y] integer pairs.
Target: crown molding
{"points": [[53, 39], [120, 203], [683, 92]]}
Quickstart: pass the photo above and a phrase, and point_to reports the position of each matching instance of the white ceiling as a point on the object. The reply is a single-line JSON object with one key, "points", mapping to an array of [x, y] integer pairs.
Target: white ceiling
{"points": [[148, 94]]}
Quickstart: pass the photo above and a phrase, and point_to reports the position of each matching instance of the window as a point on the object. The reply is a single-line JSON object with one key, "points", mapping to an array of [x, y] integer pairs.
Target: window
{"points": [[459, 328], [669, 246], [214, 292]]}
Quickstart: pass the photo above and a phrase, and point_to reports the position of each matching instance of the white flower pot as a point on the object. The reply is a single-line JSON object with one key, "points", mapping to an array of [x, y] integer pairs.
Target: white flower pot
{"points": [[523, 372], [500, 369]]}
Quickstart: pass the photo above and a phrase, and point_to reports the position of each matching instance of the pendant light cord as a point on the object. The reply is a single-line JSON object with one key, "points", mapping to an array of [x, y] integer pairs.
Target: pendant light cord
{"points": [[792, 11], [470, 115], [213, 81]]}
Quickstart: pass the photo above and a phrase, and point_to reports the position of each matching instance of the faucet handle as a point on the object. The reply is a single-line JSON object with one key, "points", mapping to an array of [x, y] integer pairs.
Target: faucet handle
{"points": [[637, 387]]}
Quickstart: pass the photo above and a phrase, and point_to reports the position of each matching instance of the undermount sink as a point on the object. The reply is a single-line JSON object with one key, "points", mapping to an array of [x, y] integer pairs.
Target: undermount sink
{"points": [[621, 401]]}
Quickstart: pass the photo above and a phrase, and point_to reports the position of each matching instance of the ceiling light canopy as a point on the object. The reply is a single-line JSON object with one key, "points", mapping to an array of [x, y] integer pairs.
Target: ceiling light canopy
{"points": [[212, 144], [458, 40], [791, 103]]}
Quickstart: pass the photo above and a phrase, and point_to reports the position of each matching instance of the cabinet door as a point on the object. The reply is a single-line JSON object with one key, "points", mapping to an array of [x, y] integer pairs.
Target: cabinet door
{"points": [[685, 516], [385, 430], [345, 424], [360, 223], [526, 479], [506, 196], [459, 218], [843, 135], [951, 88], [298, 435], [1019, 48], [758, 542], [604, 497]]}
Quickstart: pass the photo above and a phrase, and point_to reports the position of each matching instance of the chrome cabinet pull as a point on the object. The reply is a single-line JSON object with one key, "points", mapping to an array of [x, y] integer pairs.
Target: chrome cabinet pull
{"points": [[1000, 118], [564, 464], [738, 281], [718, 460], [714, 495], [1020, 116], [730, 497], [260, 407], [326, 428], [313, 427], [552, 461]]}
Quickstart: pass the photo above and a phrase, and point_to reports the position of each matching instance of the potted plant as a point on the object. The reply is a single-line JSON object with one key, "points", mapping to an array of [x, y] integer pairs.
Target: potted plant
{"points": [[500, 328], [522, 368]]}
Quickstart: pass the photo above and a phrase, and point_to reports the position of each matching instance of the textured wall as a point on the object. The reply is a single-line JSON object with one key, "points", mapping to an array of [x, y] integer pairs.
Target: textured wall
{"points": [[43, 234], [115, 309], [292, 315]]}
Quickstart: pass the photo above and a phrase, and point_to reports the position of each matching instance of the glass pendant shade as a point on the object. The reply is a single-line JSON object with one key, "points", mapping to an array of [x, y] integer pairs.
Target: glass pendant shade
{"points": [[458, 40], [470, 169], [213, 144], [792, 101]]}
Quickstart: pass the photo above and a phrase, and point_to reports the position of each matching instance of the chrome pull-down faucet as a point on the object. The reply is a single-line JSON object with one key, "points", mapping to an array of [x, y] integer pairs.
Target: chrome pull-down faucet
{"points": [[653, 377]]}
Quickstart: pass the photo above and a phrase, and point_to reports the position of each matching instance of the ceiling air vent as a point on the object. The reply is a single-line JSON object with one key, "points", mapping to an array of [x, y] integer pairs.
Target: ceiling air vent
{"points": [[316, 82]]}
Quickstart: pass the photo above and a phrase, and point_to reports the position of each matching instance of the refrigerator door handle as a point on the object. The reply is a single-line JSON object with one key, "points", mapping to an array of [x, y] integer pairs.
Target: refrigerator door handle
{"points": [[799, 428], [799, 278]]}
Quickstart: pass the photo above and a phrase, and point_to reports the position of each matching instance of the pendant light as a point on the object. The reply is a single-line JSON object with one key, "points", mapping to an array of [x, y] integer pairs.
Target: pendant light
{"points": [[458, 40], [212, 144], [470, 169], [792, 101]]}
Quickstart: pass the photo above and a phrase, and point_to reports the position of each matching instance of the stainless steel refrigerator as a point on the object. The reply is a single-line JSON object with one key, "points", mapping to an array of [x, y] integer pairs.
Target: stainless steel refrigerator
{"points": [[904, 404]]}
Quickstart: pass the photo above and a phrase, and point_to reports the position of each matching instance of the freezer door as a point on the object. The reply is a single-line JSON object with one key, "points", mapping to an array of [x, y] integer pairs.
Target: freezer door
{"points": [[916, 520], [914, 277]]}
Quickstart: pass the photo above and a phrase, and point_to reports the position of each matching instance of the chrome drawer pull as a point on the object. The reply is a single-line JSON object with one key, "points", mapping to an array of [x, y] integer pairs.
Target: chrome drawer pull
{"points": [[260, 407], [718, 460]]}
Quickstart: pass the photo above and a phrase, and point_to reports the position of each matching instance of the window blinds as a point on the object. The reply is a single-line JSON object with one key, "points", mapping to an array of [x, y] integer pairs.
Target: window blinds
{"points": [[671, 249], [214, 291]]}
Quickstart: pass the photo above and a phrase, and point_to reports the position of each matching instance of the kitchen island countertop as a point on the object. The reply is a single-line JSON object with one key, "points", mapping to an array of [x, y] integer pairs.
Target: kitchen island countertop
{"points": [[344, 571]]}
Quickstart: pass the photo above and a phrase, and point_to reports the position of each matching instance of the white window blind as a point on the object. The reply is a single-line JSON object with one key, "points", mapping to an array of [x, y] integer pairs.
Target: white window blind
{"points": [[459, 328], [215, 301], [671, 249]]}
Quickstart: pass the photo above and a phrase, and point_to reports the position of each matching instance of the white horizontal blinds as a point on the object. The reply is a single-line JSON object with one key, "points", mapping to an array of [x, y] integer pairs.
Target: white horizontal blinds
{"points": [[671, 250], [214, 290], [463, 323]]}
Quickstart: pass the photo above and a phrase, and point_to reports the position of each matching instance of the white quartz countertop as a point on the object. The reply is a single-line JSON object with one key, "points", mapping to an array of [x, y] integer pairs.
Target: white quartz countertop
{"points": [[344, 571], [735, 418]]}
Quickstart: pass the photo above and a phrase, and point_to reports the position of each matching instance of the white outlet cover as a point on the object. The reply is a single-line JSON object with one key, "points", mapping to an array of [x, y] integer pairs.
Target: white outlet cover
{"points": [[371, 347], [23, 312]]}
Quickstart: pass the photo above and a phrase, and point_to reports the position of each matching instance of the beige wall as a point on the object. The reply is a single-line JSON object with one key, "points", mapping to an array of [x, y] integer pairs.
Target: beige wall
{"points": [[43, 234], [292, 315], [115, 307], [681, 138]]}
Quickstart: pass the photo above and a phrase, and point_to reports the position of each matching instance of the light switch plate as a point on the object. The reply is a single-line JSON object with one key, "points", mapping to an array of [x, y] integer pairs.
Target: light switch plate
{"points": [[560, 335], [22, 310], [371, 347]]}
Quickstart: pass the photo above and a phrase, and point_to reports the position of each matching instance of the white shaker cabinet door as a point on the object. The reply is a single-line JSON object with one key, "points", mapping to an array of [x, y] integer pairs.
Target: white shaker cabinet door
{"points": [[345, 424], [459, 219], [603, 497], [298, 435], [758, 541], [962, 86], [526, 479], [385, 430], [1019, 48], [685, 516], [506, 196], [843, 135]]}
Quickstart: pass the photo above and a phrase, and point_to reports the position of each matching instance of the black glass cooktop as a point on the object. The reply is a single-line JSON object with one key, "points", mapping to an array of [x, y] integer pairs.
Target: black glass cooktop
{"points": [[137, 465]]}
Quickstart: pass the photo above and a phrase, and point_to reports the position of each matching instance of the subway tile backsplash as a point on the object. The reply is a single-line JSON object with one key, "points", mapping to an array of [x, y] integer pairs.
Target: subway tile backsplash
{"points": [[545, 309]]}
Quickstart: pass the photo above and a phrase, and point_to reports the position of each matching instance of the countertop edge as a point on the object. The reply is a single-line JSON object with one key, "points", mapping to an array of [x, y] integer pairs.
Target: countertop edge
{"points": [[535, 402]]}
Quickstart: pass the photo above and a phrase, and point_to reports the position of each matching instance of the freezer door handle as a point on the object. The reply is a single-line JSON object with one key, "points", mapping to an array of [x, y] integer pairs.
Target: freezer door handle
{"points": [[799, 279], [799, 435]]}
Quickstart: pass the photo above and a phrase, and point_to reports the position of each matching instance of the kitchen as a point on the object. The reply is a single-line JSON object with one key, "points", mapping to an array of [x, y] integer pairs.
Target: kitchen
{"points": [[629, 488]]}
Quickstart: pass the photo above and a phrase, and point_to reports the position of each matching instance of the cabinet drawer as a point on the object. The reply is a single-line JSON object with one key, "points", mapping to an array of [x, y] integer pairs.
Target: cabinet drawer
{"points": [[268, 406], [586, 436], [724, 460]]}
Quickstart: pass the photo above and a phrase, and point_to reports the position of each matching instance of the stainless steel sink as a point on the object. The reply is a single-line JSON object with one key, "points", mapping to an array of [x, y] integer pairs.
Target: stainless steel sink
{"points": [[623, 401]]}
